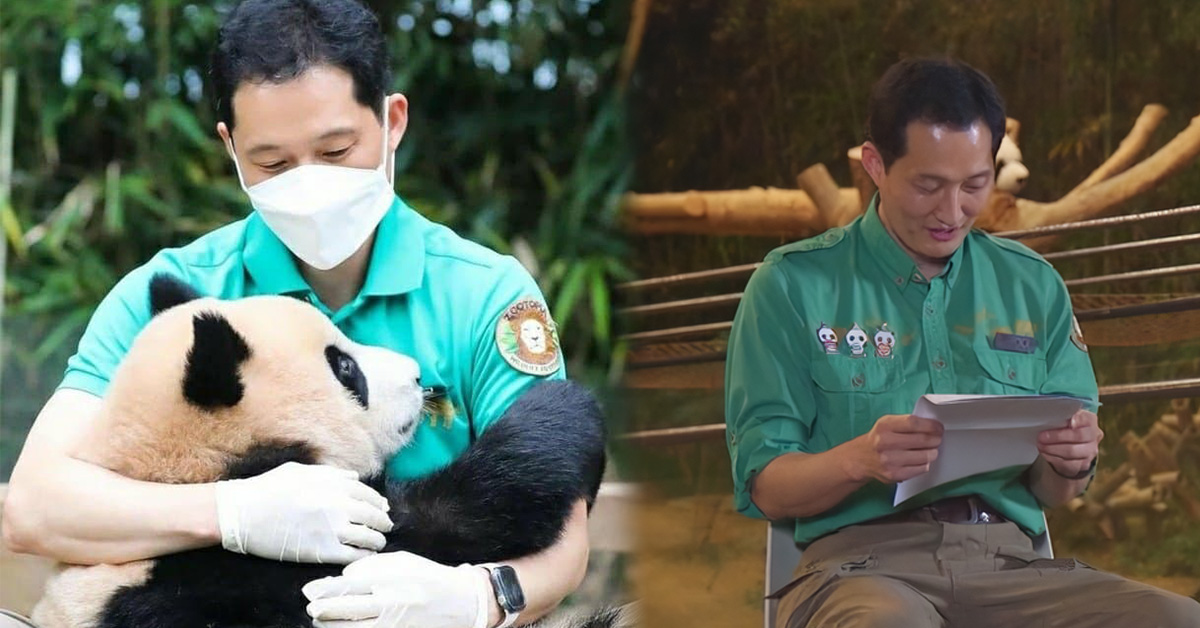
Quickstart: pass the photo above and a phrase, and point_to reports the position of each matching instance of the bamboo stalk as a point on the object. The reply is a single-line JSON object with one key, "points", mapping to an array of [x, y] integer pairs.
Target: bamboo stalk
{"points": [[8, 108]]}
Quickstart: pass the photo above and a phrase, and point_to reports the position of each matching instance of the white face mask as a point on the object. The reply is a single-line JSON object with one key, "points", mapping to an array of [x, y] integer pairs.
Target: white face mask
{"points": [[323, 213]]}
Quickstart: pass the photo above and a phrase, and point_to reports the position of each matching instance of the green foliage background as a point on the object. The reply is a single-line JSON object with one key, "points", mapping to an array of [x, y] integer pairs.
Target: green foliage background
{"points": [[516, 139], [736, 94]]}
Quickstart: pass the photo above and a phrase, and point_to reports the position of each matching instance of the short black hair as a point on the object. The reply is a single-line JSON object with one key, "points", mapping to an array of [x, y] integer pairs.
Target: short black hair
{"points": [[934, 91], [277, 40]]}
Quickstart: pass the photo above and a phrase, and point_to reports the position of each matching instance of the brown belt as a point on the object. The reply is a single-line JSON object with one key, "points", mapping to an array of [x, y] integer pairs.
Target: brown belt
{"points": [[969, 509]]}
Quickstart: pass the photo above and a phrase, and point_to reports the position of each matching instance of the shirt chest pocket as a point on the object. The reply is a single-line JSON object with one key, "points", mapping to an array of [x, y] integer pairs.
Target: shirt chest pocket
{"points": [[851, 394], [1009, 373]]}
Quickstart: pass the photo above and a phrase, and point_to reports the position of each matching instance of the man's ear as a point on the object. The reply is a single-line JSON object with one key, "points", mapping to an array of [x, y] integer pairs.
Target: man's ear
{"points": [[397, 106], [872, 162]]}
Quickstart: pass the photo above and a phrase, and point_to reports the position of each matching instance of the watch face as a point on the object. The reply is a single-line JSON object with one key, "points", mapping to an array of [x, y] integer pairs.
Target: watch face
{"points": [[508, 589]]}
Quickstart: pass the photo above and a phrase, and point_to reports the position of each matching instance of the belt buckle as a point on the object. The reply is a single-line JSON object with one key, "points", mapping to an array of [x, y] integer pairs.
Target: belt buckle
{"points": [[974, 511], [978, 514]]}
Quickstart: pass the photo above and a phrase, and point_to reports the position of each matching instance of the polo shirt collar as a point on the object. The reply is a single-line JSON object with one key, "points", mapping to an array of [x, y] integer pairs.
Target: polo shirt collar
{"points": [[397, 263], [892, 257]]}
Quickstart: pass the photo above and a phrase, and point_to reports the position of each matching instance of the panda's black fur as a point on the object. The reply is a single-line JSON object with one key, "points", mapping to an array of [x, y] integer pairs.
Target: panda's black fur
{"points": [[508, 495]]}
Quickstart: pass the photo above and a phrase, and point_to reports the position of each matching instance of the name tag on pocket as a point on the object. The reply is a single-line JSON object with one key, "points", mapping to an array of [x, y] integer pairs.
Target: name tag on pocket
{"points": [[1014, 343]]}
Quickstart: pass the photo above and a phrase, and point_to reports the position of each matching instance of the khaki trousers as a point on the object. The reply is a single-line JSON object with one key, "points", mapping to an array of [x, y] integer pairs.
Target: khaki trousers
{"points": [[924, 573]]}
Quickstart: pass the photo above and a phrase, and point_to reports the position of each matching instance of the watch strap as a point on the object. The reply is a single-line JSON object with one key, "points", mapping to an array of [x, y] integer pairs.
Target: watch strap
{"points": [[506, 607], [1078, 476]]}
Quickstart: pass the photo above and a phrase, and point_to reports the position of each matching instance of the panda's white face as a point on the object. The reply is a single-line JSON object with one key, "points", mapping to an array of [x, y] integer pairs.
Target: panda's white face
{"points": [[1011, 172], [210, 385], [394, 399], [856, 337]]}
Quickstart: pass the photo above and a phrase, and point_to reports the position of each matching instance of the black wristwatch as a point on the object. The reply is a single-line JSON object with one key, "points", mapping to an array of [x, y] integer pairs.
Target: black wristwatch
{"points": [[509, 595]]}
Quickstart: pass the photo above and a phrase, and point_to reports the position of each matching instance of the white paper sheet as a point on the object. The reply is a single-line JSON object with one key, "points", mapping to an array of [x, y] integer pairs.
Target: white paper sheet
{"points": [[984, 433]]}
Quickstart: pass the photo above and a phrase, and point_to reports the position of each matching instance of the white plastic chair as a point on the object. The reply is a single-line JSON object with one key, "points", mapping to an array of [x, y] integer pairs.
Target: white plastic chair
{"points": [[783, 556]]}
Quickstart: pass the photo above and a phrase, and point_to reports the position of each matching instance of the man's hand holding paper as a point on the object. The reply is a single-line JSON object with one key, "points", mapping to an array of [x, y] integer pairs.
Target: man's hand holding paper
{"points": [[988, 432], [1070, 450], [898, 447]]}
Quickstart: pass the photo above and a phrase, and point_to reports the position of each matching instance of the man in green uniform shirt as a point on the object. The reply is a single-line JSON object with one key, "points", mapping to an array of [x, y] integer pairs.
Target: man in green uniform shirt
{"points": [[838, 336], [304, 115]]}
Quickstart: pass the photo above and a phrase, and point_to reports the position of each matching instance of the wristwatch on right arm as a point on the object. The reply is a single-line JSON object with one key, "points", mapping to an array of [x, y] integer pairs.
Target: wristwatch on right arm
{"points": [[509, 595]]}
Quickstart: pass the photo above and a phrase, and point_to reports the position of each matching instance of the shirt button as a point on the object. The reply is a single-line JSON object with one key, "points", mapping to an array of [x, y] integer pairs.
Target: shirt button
{"points": [[858, 380], [939, 364], [899, 281], [1012, 373], [929, 309]]}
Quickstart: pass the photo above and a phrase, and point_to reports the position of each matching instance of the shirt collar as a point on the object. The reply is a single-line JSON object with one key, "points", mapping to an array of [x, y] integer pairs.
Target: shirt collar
{"points": [[895, 261], [397, 263]]}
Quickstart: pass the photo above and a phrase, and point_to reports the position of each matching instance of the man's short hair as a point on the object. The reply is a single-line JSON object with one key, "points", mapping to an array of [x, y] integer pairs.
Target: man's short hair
{"points": [[277, 40], [935, 91]]}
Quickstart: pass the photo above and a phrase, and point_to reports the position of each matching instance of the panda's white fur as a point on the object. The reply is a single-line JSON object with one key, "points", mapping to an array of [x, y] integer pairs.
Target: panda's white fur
{"points": [[146, 431], [215, 389], [1011, 173]]}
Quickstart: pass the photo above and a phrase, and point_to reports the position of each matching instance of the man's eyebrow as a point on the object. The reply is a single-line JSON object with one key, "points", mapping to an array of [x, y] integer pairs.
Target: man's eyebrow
{"points": [[933, 178], [332, 133], [338, 132]]}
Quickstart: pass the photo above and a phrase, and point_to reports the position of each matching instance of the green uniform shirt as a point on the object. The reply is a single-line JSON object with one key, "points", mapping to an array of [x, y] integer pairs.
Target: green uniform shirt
{"points": [[428, 294], [787, 392]]}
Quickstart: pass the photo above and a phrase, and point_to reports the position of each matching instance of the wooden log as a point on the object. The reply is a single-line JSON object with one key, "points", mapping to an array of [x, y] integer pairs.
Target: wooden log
{"points": [[858, 175], [1129, 148], [754, 211], [1132, 499], [1163, 442], [1182, 412], [1140, 456], [1165, 479], [1106, 483], [834, 208], [1006, 212]]}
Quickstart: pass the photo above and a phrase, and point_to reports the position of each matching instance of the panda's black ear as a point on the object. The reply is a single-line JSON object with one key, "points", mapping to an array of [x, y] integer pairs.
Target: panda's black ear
{"points": [[167, 291], [212, 377]]}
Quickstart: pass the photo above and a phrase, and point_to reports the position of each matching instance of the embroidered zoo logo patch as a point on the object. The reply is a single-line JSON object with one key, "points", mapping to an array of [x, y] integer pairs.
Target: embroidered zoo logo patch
{"points": [[528, 339]]}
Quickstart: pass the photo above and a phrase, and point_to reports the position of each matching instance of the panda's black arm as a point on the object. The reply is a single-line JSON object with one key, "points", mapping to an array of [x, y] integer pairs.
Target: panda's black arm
{"points": [[510, 494]]}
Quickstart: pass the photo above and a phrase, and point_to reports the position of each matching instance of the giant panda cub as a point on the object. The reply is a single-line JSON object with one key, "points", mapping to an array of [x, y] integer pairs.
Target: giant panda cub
{"points": [[215, 390]]}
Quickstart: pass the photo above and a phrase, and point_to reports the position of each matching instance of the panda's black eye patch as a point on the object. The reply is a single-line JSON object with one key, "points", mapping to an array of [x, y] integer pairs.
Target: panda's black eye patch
{"points": [[346, 370]]}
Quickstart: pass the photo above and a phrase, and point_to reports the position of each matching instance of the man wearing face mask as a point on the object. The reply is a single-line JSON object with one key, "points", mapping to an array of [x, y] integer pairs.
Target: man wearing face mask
{"points": [[304, 114]]}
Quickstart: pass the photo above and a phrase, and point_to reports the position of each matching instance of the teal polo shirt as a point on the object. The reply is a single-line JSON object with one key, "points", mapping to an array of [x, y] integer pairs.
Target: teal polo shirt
{"points": [[792, 386], [428, 294]]}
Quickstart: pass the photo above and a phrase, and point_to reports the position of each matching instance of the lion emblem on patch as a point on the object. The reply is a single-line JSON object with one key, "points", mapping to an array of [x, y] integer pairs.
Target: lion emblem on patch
{"points": [[528, 339]]}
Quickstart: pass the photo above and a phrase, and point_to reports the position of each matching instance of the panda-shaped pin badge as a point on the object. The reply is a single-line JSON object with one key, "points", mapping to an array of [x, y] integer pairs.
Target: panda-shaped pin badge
{"points": [[856, 339], [828, 338], [885, 341]]}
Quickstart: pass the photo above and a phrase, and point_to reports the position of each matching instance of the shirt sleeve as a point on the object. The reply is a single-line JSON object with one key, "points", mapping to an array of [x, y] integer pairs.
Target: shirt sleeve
{"points": [[118, 319], [1068, 365], [496, 384], [769, 406]]}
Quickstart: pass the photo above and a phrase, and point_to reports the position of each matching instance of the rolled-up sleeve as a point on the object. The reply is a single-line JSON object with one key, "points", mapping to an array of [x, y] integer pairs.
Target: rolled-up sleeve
{"points": [[1068, 364], [769, 406]]}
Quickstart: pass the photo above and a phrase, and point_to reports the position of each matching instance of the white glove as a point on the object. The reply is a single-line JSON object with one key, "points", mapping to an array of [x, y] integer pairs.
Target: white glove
{"points": [[302, 513], [400, 590]]}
